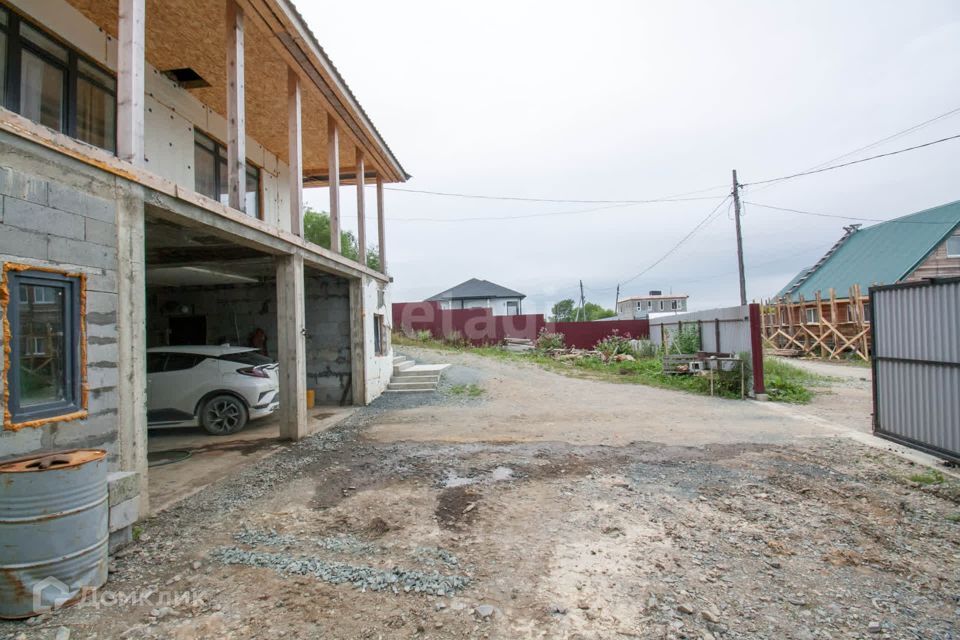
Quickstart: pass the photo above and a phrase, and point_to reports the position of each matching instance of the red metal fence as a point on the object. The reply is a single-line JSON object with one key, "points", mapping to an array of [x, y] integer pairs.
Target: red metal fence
{"points": [[480, 326]]}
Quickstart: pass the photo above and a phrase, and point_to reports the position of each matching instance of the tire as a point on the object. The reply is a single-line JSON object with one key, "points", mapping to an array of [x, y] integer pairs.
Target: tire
{"points": [[223, 415]]}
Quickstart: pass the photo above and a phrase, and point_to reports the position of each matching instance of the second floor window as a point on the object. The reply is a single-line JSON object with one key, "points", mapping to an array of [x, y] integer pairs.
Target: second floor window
{"points": [[210, 173], [53, 85]]}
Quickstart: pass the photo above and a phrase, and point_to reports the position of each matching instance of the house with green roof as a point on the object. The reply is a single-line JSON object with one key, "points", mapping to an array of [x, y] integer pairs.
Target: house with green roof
{"points": [[824, 309], [921, 245]]}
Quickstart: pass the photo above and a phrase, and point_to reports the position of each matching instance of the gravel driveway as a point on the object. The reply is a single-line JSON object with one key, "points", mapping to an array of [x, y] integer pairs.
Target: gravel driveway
{"points": [[548, 507]]}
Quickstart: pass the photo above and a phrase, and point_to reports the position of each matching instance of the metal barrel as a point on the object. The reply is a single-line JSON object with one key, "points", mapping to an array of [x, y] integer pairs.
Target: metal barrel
{"points": [[53, 530]]}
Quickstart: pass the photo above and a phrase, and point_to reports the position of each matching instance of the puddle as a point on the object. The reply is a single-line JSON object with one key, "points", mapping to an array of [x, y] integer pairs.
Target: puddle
{"points": [[499, 474]]}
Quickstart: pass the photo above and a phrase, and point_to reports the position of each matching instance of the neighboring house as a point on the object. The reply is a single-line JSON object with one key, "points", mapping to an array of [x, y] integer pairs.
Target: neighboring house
{"points": [[825, 307], [151, 190], [640, 307], [914, 247], [474, 294]]}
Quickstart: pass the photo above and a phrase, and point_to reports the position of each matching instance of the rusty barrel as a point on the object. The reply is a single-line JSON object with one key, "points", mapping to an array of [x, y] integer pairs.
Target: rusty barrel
{"points": [[53, 530]]}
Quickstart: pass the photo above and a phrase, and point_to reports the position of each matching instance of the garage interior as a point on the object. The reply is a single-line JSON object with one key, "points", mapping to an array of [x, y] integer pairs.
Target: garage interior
{"points": [[205, 288]]}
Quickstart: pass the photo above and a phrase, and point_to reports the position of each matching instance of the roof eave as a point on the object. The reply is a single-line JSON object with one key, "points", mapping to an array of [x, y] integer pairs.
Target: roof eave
{"points": [[304, 39]]}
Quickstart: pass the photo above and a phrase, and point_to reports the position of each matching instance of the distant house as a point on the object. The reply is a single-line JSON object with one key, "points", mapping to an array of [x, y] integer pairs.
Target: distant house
{"points": [[475, 293], [640, 307], [825, 308]]}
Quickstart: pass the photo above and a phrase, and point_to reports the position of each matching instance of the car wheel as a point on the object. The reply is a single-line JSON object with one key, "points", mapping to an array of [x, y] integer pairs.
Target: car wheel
{"points": [[223, 415]]}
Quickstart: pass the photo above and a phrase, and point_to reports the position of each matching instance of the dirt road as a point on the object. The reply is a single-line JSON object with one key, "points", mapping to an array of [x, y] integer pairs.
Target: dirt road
{"points": [[548, 507]]}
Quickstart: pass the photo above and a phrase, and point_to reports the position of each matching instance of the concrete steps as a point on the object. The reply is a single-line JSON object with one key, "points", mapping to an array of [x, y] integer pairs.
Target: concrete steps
{"points": [[410, 377]]}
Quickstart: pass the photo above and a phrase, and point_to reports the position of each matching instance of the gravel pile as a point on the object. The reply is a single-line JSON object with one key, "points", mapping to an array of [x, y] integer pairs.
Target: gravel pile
{"points": [[334, 544], [361, 577], [433, 555]]}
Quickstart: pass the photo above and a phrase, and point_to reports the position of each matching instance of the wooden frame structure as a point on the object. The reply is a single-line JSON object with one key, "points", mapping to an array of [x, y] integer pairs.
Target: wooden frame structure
{"points": [[829, 328]]}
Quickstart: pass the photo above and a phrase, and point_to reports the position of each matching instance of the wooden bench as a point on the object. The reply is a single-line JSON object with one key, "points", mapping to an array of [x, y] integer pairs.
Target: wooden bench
{"points": [[677, 363]]}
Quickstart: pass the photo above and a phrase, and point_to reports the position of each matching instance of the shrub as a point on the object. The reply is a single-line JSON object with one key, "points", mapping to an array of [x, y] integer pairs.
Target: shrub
{"points": [[687, 340], [455, 339], [643, 348], [614, 344], [423, 335], [547, 341]]}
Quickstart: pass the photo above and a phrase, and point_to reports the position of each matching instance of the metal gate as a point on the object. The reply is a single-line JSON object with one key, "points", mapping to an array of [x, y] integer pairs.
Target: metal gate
{"points": [[916, 364]]}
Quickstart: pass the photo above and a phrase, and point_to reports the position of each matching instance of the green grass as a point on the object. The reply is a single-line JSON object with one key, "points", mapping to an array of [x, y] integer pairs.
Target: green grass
{"points": [[928, 477], [788, 383], [954, 517], [784, 382], [470, 390]]}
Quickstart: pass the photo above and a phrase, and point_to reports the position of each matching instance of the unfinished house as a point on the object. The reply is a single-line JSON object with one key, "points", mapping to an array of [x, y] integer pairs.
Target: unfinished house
{"points": [[825, 310], [153, 157]]}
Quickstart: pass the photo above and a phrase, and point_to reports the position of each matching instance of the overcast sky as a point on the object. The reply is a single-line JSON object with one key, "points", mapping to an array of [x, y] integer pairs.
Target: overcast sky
{"points": [[637, 100]]}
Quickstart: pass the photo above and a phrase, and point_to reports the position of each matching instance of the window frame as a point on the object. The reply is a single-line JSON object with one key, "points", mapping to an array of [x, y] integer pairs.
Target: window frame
{"points": [[807, 313], [946, 247], [219, 150], [379, 329], [16, 44], [75, 405]]}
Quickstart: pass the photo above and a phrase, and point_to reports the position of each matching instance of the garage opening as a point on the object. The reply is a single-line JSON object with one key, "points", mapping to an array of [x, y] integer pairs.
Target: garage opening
{"points": [[212, 355]]}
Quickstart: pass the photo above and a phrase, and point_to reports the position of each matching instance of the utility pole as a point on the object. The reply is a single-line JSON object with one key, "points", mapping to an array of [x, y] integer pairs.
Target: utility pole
{"points": [[616, 304], [736, 207], [582, 303]]}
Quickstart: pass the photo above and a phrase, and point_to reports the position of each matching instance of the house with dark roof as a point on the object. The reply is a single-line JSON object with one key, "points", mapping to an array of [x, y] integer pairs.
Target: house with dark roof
{"points": [[481, 294], [825, 309]]}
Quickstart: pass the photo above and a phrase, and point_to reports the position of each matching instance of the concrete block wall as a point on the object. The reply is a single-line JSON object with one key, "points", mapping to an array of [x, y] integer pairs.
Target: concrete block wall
{"points": [[232, 312], [328, 337], [58, 213], [379, 369]]}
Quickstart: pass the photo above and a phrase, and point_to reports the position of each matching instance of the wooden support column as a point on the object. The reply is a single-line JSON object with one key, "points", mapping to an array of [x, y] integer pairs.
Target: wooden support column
{"points": [[236, 116], [291, 346], [333, 169], [295, 152], [381, 227], [130, 79], [361, 210]]}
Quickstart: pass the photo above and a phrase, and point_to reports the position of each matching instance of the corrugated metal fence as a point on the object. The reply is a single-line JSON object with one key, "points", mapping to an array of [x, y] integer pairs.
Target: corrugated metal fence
{"points": [[725, 330], [916, 364]]}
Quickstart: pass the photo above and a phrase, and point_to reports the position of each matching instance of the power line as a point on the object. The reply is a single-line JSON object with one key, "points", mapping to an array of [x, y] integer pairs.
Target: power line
{"points": [[557, 200], [893, 136], [830, 215], [700, 225], [852, 162]]}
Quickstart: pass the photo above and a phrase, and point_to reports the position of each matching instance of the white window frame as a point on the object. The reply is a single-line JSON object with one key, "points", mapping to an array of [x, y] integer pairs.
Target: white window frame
{"points": [[808, 312], [955, 240]]}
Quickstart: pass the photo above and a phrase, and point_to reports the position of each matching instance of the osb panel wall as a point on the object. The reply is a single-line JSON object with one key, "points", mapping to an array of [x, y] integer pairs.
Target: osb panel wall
{"points": [[200, 44]]}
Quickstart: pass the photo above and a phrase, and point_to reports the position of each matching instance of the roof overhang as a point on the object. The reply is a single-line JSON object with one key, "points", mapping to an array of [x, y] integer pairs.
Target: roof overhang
{"points": [[191, 34]]}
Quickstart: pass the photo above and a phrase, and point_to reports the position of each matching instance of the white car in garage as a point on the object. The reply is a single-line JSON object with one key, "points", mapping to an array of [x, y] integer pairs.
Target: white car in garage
{"points": [[219, 388]]}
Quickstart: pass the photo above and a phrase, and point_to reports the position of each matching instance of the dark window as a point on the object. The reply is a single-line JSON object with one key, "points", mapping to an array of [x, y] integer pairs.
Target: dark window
{"points": [[210, 174], [379, 345], [55, 86], [251, 358], [44, 316], [155, 362], [182, 361]]}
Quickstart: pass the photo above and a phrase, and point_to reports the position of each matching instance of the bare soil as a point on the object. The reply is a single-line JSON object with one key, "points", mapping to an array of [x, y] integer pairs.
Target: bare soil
{"points": [[550, 507]]}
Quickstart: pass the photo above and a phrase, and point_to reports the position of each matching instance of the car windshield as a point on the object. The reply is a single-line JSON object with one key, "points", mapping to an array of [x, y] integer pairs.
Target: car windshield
{"points": [[250, 358]]}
